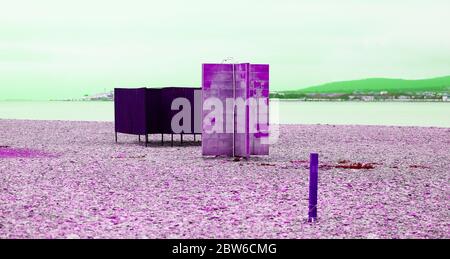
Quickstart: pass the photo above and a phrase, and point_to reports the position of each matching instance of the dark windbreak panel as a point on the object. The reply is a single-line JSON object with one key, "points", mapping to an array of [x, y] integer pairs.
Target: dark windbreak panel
{"points": [[130, 111], [154, 111], [196, 108], [168, 95]]}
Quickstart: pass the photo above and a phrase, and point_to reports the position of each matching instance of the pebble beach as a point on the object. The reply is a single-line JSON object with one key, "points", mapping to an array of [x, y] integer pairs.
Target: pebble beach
{"points": [[68, 179]]}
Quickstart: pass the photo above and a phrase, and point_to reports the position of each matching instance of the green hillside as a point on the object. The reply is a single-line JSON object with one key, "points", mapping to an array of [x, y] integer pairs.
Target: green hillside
{"points": [[440, 84]]}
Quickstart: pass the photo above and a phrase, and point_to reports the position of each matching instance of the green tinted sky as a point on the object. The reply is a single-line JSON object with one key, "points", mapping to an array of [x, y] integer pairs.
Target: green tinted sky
{"points": [[62, 49]]}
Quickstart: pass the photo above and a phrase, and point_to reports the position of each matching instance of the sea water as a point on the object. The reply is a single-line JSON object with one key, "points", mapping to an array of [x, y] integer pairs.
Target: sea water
{"points": [[425, 114]]}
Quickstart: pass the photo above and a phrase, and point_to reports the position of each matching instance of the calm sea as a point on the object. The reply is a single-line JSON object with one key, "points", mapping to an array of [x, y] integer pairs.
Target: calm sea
{"points": [[289, 112]]}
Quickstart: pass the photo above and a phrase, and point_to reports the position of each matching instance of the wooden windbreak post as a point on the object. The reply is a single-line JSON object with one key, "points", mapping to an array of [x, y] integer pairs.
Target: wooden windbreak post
{"points": [[313, 184]]}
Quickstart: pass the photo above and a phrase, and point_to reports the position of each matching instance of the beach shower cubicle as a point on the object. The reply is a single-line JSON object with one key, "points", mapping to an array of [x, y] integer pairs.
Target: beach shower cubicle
{"points": [[243, 128], [144, 111]]}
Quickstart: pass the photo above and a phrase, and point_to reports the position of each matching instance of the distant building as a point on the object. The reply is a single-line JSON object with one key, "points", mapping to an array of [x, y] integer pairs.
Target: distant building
{"points": [[368, 98], [403, 97], [332, 95], [445, 98], [109, 96]]}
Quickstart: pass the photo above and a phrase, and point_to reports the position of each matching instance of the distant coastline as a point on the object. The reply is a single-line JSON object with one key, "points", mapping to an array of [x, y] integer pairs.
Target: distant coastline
{"points": [[433, 97], [358, 100], [364, 90], [286, 100], [374, 89], [298, 100]]}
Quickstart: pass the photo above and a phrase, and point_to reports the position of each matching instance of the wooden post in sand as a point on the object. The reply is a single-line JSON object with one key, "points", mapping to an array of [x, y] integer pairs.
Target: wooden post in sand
{"points": [[313, 184]]}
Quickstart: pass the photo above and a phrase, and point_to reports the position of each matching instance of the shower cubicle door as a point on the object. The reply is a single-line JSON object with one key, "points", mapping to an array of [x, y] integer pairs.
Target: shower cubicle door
{"points": [[217, 87], [259, 90]]}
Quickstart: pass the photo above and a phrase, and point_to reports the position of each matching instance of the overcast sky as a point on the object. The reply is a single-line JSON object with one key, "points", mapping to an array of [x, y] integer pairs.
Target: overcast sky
{"points": [[63, 49]]}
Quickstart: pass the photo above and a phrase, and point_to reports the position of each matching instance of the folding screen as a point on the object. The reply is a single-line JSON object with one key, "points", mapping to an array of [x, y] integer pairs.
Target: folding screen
{"points": [[145, 111], [249, 123]]}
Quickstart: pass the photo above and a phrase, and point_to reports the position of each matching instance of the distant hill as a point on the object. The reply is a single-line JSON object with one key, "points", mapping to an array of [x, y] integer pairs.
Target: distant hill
{"points": [[440, 84]]}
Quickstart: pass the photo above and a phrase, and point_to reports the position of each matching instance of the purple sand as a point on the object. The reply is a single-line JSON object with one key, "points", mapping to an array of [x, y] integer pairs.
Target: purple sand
{"points": [[22, 152], [99, 189]]}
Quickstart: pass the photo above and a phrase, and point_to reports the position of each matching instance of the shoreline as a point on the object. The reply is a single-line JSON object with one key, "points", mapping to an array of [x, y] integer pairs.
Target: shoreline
{"points": [[272, 99], [356, 101], [279, 124]]}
